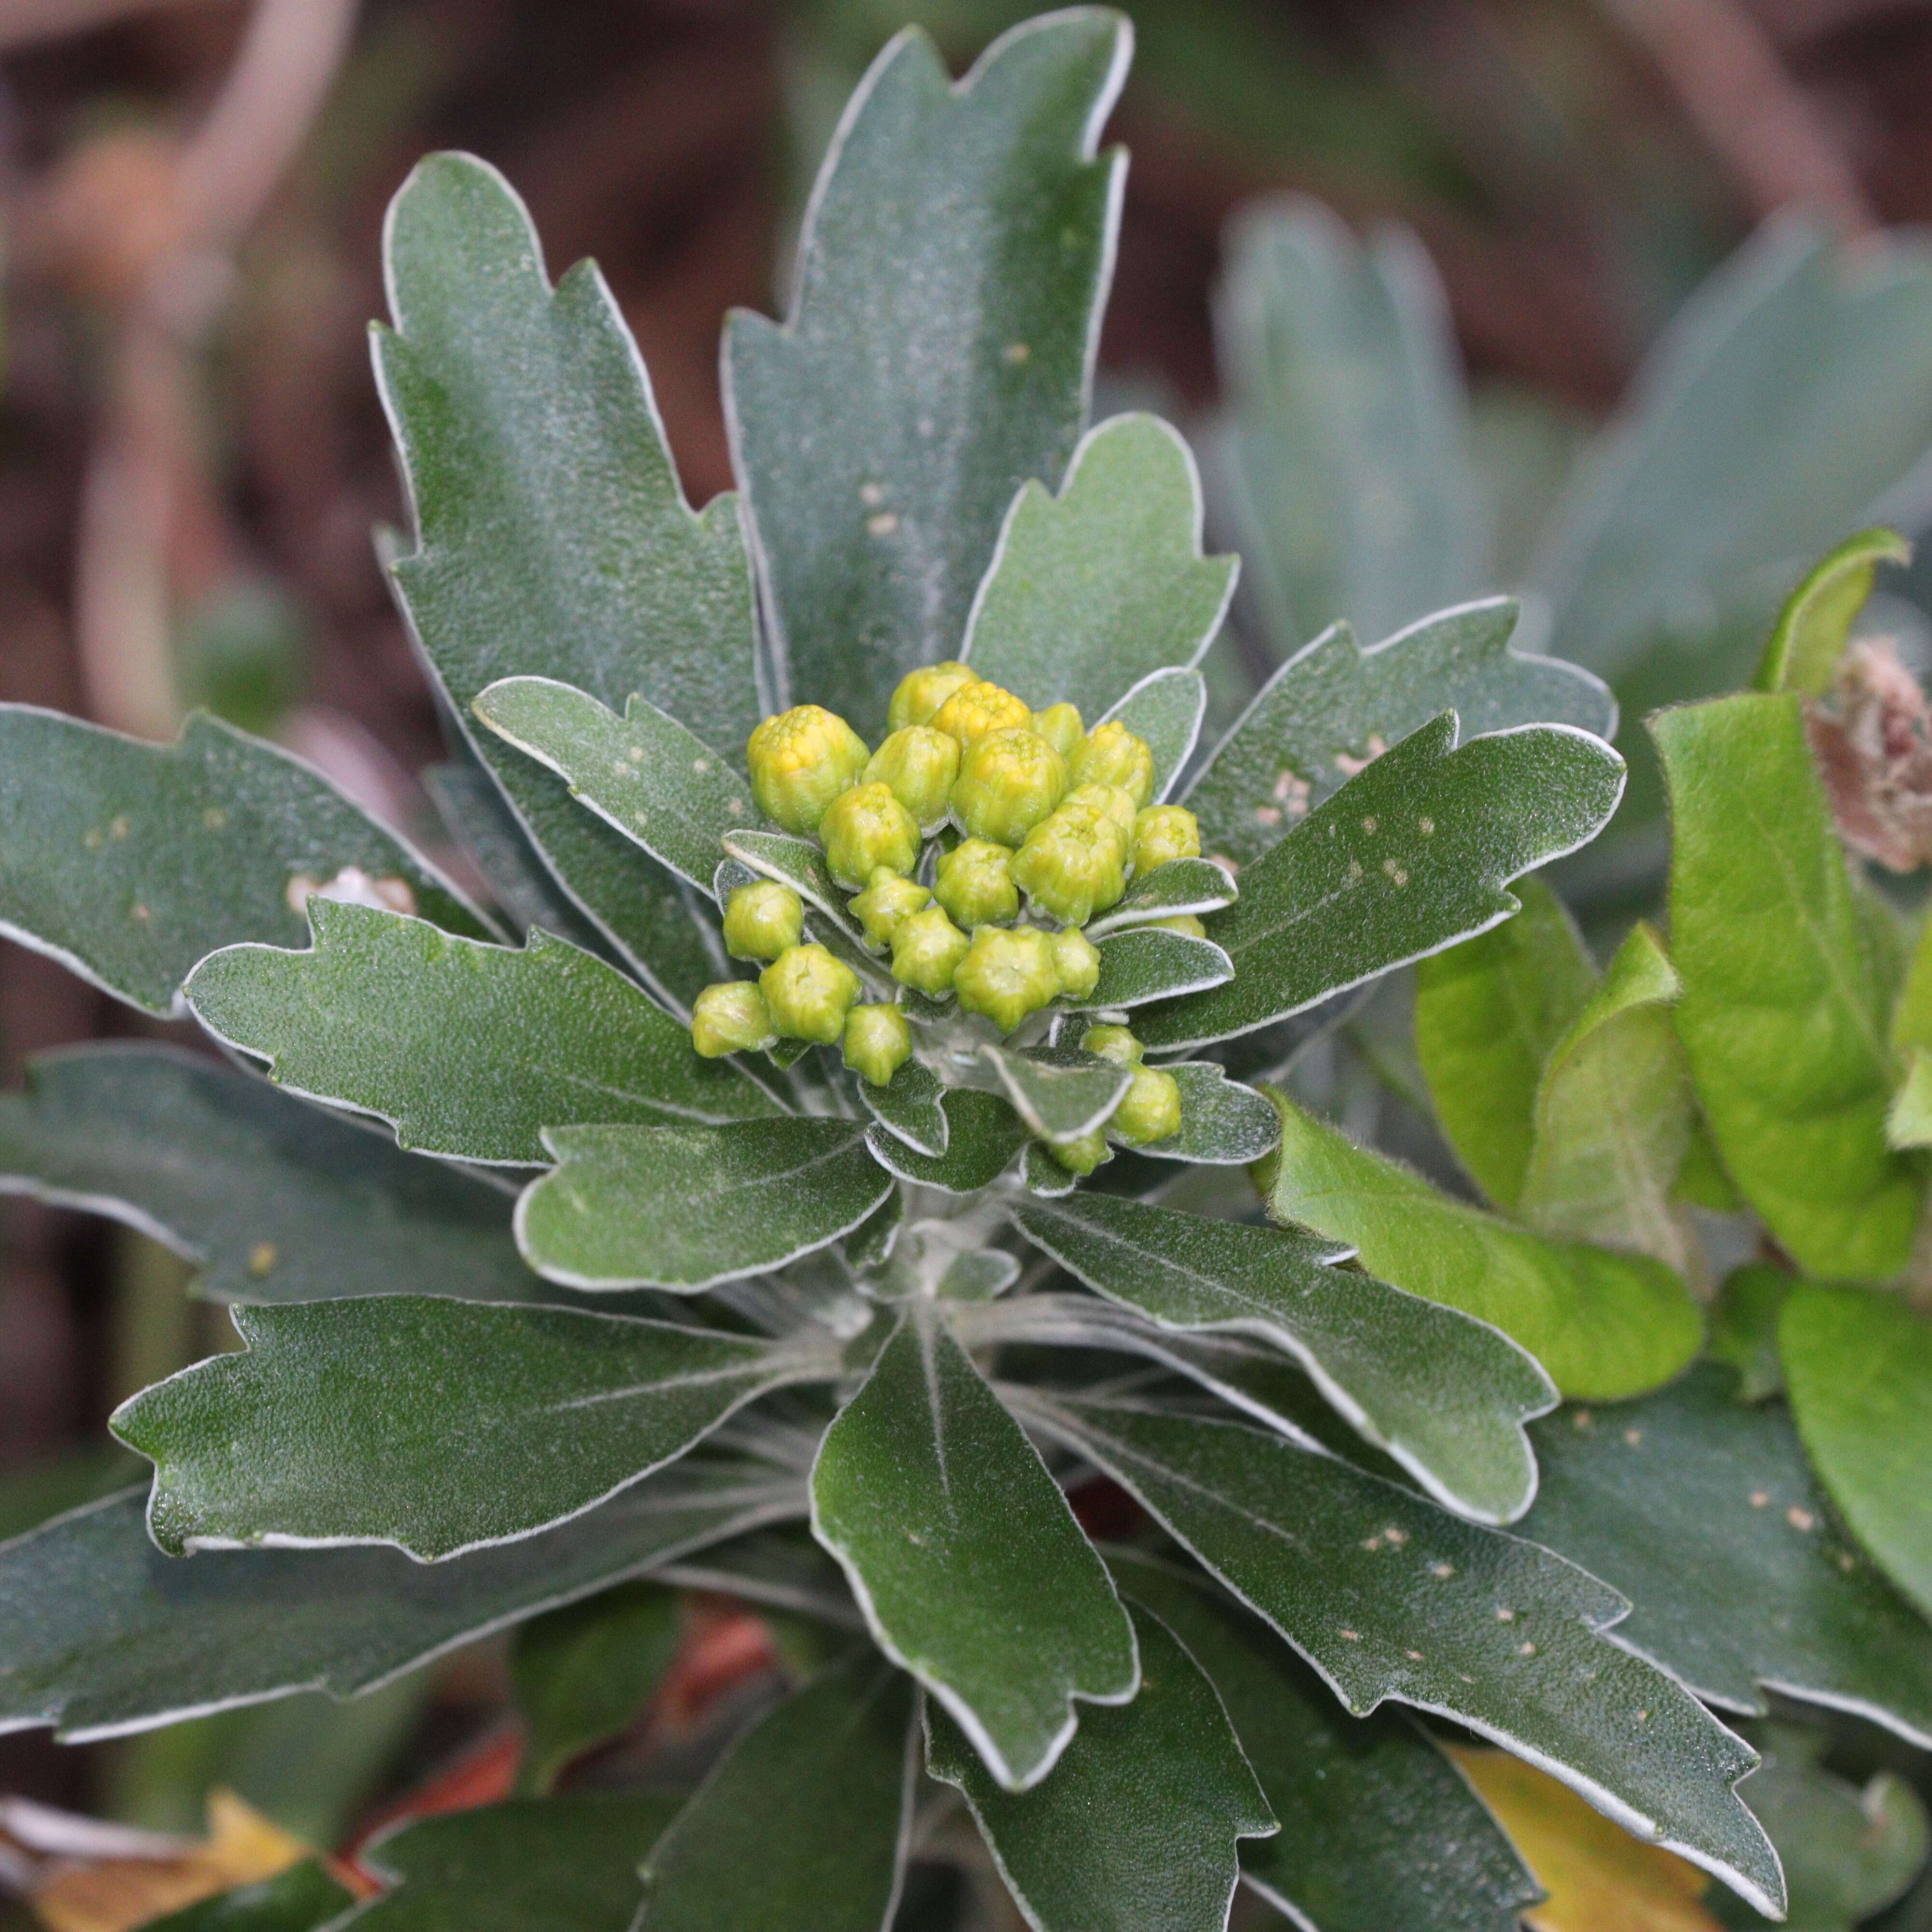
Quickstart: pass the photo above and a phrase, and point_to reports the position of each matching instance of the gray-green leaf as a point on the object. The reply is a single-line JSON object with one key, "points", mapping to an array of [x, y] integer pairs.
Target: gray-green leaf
{"points": [[909, 1106], [437, 1426], [128, 862], [465, 1050], [1059, 1093], [983, 1134], [964, 1556], [938, 355], [1147, 963], [1181, 886], [1165, 709], [1223, 1123]]}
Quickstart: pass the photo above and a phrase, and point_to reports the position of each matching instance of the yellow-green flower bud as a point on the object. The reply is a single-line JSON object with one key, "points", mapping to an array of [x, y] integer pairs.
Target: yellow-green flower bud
{"points": [[864, 828], [1113, 755], [927, 949], [1009, 781], [1076, 962], [878, 1043], [1113, 1042], [731, 1018], [1116, 805], [801, 760], [973, 884], [1182, 921], [977, 708], [885, 902], [1008, 974], [1073, 864], [1162, 832], [761, 919], [1059, 725], [1083, 1156], [922, 692], [1150, 1110], [919, 765], [809, 993]]}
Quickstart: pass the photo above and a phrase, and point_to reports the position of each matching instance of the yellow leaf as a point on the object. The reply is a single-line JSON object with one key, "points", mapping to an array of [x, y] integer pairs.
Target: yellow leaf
{"points": [[1599, 1878], [115, 1894]]}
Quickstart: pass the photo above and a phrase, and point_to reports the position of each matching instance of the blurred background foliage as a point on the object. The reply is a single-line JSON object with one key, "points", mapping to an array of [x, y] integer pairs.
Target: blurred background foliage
{"points": [[1615, 303]]}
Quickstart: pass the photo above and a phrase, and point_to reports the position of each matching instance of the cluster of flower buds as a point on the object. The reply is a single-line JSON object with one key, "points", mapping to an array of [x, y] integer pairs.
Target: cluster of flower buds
{"points": [[1030, 803]]}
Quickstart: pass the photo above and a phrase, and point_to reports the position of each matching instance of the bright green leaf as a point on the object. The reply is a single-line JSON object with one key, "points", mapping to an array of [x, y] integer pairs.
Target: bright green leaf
{"points": [[1138, 1826], [437, 1426], [1411, 855], [1808, 641], [1908, 1120], [686, 1208], [465, 1050], [1181, 886], [983, 1134], [938, 355], [1781, 1015], [963, 1554], [1603, 1324], [1148, 963], [298, 1900], [1059, 1092], [1744, 1327], [128, 862]]}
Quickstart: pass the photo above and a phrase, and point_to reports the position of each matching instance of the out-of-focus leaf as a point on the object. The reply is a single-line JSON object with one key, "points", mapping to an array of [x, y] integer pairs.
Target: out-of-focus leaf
{"points": [[1090, 590], [1782, 1014], [1138, 1825], [1412, 855], [804, 1823], [467, 1050], [128, 862], [1858, 1363], [1908, 1120], [964, 1556], [300, 1899], [71, 1480], [1808, 639], [1744, 1327], [437, 1426], [272, 1199], [551, 535], [1603, 1324], [938, 353]]}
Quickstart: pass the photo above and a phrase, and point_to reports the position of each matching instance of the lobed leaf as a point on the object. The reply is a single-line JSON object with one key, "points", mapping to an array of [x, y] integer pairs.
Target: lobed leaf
{"points": [[939, 349], [983, 1135], [964, 1556], [128, 862], [1059, 1093], [1410, 856], [437, 1425], [1223, 1123], [465, 1050], [911, 1107]]}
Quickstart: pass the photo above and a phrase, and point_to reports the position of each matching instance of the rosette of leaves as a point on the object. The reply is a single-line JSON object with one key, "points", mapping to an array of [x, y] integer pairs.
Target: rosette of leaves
{"points": [[583, 1314]]}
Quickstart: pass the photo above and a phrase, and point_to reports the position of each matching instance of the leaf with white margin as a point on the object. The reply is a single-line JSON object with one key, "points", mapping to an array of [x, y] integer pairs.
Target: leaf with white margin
{"points": [[1090, 590], [1446, 1395], [552, 537], [271, 1199], [1390, 1596], [806, 1819], [437, 1426], [128, 862], [909, 1105], [1223, 1123], [1412, 854], [1044, 1175], [105, 1635], [983, 1135], [467, 1050], [1333, 707], [804, 871], [1165, 709], [1059, 1092], [939, 351], [1147, 963], [1171, 891], [1138, 1825], [644, 774], [686, 1208], [964, 1556], [1705, 1514]]}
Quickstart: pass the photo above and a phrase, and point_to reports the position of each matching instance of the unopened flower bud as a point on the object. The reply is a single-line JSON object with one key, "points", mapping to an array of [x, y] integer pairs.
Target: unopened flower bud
{"points": [[1113, 755], [1008, 974], [1181, 921], [1073, 862], [922, 692], [1009, 781], [1076, 962], [972, 883], [878, 1043], [1113, 1042], [809, 992], [801, 760], [927, 949], [731, 1018], [864, 828], [977, 708], [1117, 805], [761, 919], [919, 765], [1059, 725], [1083, 1155], [1162, 832], [887, 901], [1150, 1110]]}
